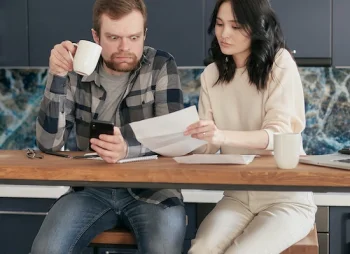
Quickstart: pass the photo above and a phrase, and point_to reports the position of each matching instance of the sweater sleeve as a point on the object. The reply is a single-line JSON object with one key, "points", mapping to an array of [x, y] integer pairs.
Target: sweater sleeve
{"points": [[204, 105], [284, 107]]}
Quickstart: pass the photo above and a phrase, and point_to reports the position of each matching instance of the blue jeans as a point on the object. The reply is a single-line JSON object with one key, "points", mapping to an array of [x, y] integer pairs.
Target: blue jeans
{"points": [[78, 217]]}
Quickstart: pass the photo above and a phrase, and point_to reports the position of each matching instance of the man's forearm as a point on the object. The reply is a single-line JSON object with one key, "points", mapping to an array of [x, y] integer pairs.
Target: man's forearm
{"points": [[52, 128]]}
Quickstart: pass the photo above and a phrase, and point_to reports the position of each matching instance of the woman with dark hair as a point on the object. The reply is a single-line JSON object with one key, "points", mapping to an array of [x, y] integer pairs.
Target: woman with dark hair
{"points": [[251, 91]]}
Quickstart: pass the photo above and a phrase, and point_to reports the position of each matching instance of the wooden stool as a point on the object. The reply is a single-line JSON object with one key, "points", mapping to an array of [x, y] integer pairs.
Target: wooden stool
{"points": [[307, 245], [115, 236]]}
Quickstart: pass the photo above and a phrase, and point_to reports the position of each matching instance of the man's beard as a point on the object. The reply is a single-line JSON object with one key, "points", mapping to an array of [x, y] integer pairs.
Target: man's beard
{"points": [[127, 66]]}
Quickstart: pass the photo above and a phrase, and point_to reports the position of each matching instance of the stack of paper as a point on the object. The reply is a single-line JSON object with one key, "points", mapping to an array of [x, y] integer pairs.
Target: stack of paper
{"points": [[215, 159], [164, 134]]}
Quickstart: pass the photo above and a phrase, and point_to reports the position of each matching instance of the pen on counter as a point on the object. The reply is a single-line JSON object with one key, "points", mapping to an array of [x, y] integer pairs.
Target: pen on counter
{"points": [[85, 156], [59, 154]]}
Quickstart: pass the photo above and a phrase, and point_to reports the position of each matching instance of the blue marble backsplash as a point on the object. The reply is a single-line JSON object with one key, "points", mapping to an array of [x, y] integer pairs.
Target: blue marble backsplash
{"points": [[326, 99]]}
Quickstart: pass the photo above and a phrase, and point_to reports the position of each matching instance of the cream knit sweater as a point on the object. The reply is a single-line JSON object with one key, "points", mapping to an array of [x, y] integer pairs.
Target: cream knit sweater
{"points": [[238, 106]]}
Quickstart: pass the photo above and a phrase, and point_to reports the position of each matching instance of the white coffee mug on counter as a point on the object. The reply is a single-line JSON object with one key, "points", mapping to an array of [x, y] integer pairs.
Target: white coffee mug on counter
{"points": [[287, 149], [86, 57]]}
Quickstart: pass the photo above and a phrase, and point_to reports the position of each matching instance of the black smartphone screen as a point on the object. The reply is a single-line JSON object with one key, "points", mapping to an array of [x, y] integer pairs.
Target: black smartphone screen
{"points": [[100, 127]]}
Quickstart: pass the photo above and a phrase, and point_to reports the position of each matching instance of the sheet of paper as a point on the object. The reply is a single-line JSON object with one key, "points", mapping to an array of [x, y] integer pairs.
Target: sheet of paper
{"points": [[164, 134], [215, 159], [143, 158]]}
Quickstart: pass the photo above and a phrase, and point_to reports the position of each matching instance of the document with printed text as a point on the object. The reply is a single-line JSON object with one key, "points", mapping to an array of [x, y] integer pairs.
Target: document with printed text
{"points": [[164, 134]]}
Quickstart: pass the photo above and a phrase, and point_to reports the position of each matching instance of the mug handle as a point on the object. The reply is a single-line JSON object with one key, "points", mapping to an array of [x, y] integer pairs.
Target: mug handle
{"points": [[70, 54]]}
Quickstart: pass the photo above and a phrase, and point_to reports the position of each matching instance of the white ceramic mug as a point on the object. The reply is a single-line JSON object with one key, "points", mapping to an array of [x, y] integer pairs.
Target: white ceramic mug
{"points": [[287, 149], [86, 57]]}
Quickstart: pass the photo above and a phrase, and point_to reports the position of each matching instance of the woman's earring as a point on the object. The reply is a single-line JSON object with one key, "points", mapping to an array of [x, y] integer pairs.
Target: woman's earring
{"points": [[226, 64]]}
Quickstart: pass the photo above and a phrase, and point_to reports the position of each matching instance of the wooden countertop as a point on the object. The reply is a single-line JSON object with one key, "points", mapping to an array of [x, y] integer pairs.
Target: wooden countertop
{"points": [[261, 174]]}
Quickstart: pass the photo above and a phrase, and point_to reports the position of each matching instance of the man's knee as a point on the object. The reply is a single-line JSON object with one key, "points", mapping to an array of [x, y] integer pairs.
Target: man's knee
{"points": [[161, 247], [170, 237], [168, 223], [164, 234], [44, 246], [175, 218]]}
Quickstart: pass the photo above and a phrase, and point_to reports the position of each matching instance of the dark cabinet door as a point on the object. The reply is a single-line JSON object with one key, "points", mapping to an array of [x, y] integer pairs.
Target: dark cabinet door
{"points": [[209, 8], [20, 220], [51, 22], [14, 33], [177, 27], [18, 231], [191, 228], [339, 230], [306, 25], [341, 33]]}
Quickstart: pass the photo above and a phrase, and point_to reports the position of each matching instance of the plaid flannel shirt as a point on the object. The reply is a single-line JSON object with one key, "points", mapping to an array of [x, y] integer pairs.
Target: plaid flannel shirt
{"points": [[154, 89]]}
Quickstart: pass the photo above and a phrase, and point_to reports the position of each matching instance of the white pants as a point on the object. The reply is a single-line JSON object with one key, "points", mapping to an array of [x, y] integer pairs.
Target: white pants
{"points": [[250, 222]]}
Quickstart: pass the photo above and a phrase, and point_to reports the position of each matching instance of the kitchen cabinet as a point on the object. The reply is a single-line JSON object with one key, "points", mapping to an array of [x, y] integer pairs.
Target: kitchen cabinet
{"points": [[315, 30], [51, 22], [341, 34], [20, 220], [14, 33], [191, 212], [306, 26], [322, 225], [173, 26], [209, 7], [339, 230], [307, 29], [177, 27]]}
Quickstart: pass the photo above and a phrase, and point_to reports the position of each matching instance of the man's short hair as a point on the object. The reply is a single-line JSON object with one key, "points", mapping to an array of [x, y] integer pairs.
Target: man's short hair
{"points": [[116, 9]]}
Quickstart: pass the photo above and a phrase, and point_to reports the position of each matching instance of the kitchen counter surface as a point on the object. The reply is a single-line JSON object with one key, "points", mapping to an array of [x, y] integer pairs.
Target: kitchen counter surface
{"points": [[190, 196]]}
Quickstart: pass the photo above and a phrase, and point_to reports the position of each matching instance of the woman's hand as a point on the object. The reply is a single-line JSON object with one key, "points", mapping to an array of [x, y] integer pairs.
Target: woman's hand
{"points": [[206, 130]]}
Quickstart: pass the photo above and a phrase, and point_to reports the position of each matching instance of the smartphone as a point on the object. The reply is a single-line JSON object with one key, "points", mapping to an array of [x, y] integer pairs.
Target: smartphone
{"points": [[100, 127]]}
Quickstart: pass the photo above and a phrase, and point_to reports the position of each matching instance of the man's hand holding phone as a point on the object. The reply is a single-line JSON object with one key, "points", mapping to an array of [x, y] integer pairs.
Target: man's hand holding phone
{"points": [[111, 148]]}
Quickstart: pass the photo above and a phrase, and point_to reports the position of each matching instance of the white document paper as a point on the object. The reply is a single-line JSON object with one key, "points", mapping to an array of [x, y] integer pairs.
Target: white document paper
{"points": [[164, 134], [215, 159], [142, 158]]}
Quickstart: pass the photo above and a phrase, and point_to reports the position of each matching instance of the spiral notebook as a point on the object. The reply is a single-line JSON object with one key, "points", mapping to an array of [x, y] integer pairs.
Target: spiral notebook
{"points": [[94, 156]]}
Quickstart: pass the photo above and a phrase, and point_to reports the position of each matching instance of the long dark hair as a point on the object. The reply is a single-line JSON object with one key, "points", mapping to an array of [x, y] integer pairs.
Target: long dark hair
{"points": [[258, 19]]}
